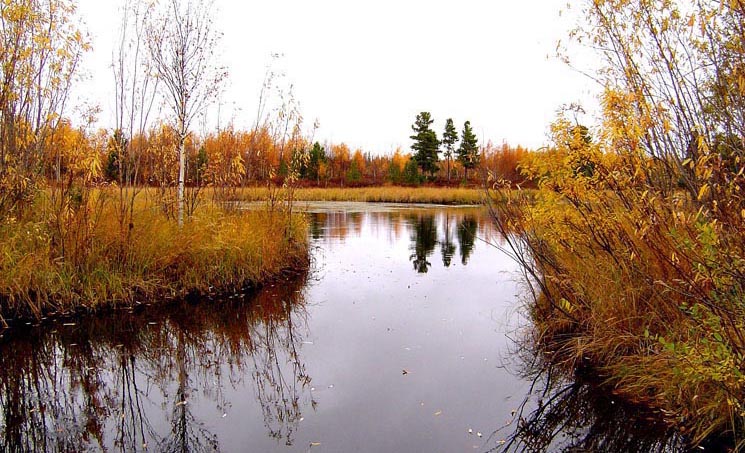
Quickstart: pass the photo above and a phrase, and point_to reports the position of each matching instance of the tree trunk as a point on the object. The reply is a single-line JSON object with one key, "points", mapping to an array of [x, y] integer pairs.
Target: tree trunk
{"points": [[181, 174]]}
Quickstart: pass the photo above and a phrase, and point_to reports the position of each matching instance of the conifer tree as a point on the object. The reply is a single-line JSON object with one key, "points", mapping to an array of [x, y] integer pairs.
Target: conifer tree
{"points": [[468, 151], [449, 138], [426, 145]]}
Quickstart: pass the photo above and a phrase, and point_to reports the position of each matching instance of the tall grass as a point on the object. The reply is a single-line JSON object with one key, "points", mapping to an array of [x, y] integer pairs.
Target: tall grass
{"points": [[96, 263], [390, 194]]}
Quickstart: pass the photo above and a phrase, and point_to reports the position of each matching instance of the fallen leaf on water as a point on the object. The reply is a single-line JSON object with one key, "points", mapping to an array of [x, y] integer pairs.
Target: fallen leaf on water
{"points": [[438, 413], [315, 444]]}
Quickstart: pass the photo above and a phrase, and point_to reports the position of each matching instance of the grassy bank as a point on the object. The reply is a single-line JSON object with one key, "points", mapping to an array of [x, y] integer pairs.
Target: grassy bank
{"points": [[644, 286], [85, 258], [389, 194]]}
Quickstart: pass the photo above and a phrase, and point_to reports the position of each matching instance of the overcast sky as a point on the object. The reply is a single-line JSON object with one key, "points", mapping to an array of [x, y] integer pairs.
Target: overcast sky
{"points": [[365, 69]]}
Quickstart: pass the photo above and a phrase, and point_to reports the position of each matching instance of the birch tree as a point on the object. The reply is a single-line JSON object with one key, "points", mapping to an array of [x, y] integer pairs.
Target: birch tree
{"points": [[182, 42]]}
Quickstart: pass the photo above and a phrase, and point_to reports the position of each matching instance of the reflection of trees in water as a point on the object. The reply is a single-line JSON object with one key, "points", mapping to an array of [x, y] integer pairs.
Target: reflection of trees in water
{"points": [[447, 246], [467, 229], [394, 223], [568, 412], [95, 384], [424, 241], [279, 396], [318, 222]]}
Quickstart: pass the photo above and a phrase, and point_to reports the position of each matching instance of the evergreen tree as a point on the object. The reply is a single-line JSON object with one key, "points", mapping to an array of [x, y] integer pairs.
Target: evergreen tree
{"points": [[201, 165], [395, 174], [411, 173], [354, 175], [426, 144], [449, 138], [116, 169], [317, 157], [468, 151]]}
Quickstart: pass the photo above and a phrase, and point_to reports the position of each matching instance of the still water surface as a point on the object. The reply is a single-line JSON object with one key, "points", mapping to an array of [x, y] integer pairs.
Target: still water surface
{"points": [[399, 339]]}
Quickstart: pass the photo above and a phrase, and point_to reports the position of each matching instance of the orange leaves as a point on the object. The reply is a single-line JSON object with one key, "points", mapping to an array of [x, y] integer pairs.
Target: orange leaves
{"points": [[225, 157]]}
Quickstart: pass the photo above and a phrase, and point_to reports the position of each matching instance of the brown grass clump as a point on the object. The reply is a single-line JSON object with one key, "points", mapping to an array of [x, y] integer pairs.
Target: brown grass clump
{"points": [[95, 263]]}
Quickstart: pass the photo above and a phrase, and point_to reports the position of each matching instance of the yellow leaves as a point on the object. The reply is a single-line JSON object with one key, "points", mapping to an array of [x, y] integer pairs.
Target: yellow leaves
{"points": [[703, 192], [566, 305]]}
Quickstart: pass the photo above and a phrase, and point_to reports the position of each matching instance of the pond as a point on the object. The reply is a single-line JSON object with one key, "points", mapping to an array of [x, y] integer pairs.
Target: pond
{"points": [[401, 338]]}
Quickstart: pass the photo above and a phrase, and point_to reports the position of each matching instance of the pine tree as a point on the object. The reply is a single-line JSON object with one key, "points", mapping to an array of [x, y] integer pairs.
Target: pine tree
{"points": [[468, 152], [317, 157], [426, 144], [449, 138]]}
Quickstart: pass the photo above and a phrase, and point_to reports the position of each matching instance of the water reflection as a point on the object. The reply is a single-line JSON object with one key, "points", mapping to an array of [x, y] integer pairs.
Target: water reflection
{"points": [[133, 382], [423, 241], [447, 248], [571, 412], [426, 230], [467, 238]]}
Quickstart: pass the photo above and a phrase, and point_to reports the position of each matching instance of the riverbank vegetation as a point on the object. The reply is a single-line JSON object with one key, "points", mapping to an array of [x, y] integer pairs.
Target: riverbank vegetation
{"points": [[386, 194], [77, 231], [93, 263], [633, 242]]}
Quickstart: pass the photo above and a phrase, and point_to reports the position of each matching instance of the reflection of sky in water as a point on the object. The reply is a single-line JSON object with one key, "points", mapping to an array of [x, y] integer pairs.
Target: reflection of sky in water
{"points": [[371, 356], [443, 327]]}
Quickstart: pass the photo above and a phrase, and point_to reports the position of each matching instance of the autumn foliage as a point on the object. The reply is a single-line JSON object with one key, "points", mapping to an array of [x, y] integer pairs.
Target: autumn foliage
{"points": [[634, 240]]}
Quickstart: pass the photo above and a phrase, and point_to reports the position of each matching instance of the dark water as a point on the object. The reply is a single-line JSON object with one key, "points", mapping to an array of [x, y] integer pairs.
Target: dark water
{"points": [[400, 339]]}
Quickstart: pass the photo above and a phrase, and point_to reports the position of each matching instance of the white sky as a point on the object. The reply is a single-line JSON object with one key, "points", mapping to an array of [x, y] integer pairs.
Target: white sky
{"points": [[365, 69]]}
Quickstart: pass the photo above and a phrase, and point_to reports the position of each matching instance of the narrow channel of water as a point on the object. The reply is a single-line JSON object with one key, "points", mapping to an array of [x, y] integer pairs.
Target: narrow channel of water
{"points": [[399, 339]]}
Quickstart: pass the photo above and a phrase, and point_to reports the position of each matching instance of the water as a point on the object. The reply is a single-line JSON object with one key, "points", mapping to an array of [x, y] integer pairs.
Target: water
{"points": [[399, 339]]}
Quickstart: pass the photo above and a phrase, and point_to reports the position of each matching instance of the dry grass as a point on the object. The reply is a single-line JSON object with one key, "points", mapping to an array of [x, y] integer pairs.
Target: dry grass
{"points": [[94, 264], [390, 194], [639, 289]]}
